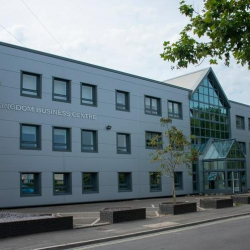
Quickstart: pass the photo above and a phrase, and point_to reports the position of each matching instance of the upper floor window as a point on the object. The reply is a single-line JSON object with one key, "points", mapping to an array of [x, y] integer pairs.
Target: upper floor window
{"points": [[89, 94], [149, 136], [30, 84], [248, 123], [123, 143], [30, 184], [61, 90], [89, 141], [174, 110], [240, 122], [152, 105], [61, 139], [30, 137], [122, 100]]}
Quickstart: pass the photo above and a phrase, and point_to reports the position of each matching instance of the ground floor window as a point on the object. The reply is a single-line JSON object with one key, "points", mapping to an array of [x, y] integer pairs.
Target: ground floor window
{"points": [[155, 182], [62, 183], [178, 180], [89, 182], [124, 182], [30, 184], [214, 180]]}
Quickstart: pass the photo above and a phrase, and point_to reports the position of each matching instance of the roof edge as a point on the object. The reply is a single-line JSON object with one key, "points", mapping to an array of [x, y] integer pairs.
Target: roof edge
{"points": [[88, 64]]}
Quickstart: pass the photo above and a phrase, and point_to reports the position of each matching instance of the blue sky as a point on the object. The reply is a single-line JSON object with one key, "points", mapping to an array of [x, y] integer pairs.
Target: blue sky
{"points": [[125, 35]]}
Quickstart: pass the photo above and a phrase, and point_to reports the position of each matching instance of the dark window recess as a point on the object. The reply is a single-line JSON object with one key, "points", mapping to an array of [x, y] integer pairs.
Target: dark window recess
{"points": [[62, 183], [30, 184], [88, 95], [122, 100], [155, 182], [61, 139], [30, 85], [174, 110], [61, 90], [89, 182], [149, 136], [240, 122], [125, 181], [89, 141], [30, 136], [242, 147], [178, 180], [248, 123], [152, 105], [123, 143]]}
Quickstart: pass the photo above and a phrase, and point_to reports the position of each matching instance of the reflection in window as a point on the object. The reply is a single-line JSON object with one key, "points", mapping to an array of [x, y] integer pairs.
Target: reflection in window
{"points": [[125, 182], [174, 110], [90, 182], [61, 139], [155, 181], [88, 95], [30, 184], [61, 91], [30, 138], [31, 85], [122, 100], [152, 105], [62, 183], [123, 143], [89, 141]]}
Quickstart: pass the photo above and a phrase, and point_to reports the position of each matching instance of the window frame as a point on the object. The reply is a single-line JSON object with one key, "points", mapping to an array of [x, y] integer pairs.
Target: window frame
{"points": [[159, 189], [151, 132], [180, 186], [38, 137], [127, 100], [179, 109], [68, 89], [69, 183], [39, 186], [128, 143], [95, 135], [95, 185], [249, 124], [159, 109], [242, 127], [130, 184], [38, 85], [94, 94], [243, 150], [69, 142]]}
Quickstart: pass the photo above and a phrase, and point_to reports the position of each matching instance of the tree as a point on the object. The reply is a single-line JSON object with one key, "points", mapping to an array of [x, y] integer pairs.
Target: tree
{"points": [[178, 152], [225, 27]]}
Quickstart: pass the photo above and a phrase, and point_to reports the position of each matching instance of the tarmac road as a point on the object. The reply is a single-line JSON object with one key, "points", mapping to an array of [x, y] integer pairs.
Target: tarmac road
{"points": [[230, 234]]}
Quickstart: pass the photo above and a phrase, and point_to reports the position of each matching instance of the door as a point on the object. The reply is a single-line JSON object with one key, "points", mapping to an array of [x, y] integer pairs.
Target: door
{"points": [[236, 182]]}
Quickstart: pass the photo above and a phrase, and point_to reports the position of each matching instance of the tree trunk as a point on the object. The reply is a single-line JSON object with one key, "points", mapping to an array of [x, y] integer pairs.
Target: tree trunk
{"points": [[174, 194]]}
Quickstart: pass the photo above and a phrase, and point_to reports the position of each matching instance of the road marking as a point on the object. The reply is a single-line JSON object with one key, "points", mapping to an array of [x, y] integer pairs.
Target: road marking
{"points": [[95, 222], [155, 234], [157, 214], [201, 208], [153, 206], [81, 213]]}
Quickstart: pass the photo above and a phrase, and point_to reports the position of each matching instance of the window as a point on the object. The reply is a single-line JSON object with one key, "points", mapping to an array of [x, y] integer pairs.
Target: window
{"points": [[178, 180], [174, 110], [30, 85], [30, 137], [242, 147], [89, 182], [61, 90], [124, 182], [62, 183], [89, 141], [240, 122], [88, 95], [30, 184], [149, 136], [248, 123], [155, 182], [152, 105], [61, 139], [123, 143], [122, 100]]}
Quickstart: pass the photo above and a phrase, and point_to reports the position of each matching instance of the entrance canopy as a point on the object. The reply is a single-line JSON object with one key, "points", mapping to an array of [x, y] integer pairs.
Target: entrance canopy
{"points": [[224, 149]]}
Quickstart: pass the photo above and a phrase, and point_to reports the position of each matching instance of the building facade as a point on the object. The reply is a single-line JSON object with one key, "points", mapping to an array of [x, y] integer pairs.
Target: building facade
{"points": [[72, 132]]}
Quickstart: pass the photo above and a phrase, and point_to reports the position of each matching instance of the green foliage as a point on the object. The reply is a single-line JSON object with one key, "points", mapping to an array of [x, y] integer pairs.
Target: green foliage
{"points": [[224, 24], [175, 152]]}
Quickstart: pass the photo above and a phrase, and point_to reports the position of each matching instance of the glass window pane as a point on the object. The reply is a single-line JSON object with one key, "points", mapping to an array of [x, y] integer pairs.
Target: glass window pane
{"points": [[60, 136], [87, 92], [30, 82], [121, 99], [60, 87], [29, 133]]}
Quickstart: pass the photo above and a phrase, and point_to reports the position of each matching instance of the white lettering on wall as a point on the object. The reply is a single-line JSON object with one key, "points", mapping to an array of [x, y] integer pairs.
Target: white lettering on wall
{"points": [[46, 111]]}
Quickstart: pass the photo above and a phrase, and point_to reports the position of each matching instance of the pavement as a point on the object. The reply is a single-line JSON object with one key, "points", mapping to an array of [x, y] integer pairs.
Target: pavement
{"points": [[88, 230]]}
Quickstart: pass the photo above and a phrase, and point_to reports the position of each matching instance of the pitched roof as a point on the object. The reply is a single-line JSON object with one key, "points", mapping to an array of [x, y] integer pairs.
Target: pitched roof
{"points": [[190, 80]]}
